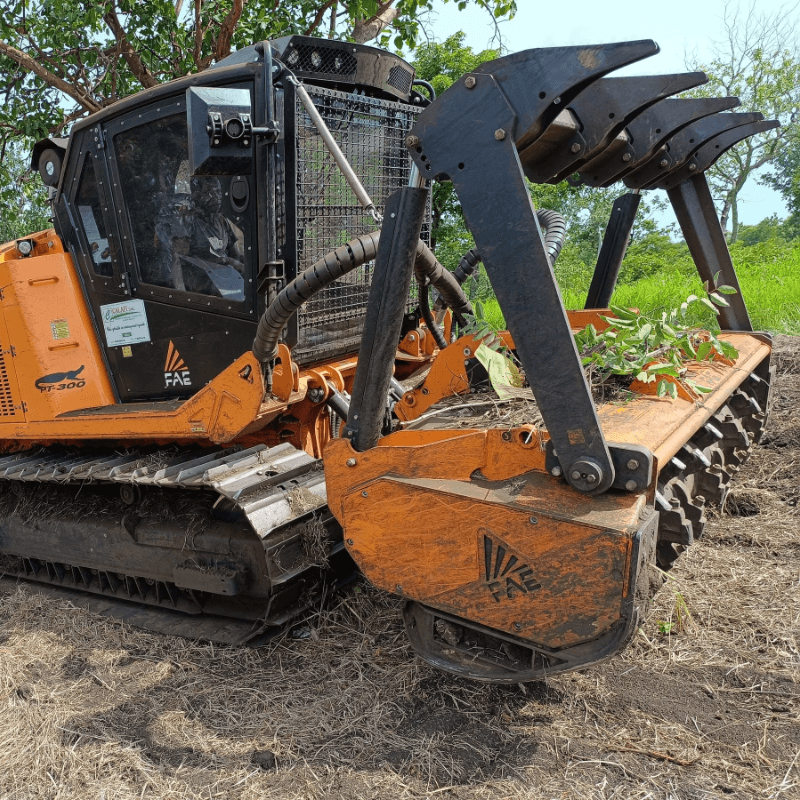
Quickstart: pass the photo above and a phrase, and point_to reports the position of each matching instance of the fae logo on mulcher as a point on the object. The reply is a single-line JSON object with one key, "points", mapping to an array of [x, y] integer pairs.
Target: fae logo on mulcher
{"points": [[506, 574]]}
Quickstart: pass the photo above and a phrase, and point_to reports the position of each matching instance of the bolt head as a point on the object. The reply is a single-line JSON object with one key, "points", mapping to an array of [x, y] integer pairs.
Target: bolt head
{"points": [[575, 474], [591, 478], [556, 472], [398, 588], [351, 462], [499, 134], [576, 148], [411, 140], [517, 626], [533, 521], [627, 157], [692, 167], [411, 337], [631, 486], [663, 163], [469, 82], [467, 351], [633, 464], [365, 493], [349, 542]]}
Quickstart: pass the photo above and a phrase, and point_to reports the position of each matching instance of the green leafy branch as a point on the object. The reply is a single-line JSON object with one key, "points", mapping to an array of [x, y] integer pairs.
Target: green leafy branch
{"points": [[650, 348]]}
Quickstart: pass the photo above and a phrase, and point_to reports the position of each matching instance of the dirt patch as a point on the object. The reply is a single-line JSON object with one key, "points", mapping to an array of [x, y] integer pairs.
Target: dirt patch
{"points": [[708, 708]]}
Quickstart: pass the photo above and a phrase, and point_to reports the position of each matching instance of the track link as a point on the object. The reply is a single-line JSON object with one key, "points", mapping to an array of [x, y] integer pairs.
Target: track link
{"points": [[229, 544]]}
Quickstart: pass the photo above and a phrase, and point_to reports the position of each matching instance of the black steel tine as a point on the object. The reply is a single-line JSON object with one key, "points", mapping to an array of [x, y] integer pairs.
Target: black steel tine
{"points": [[603, 110], [646, 133], [712, 149], [681, 146], [542, 82]]}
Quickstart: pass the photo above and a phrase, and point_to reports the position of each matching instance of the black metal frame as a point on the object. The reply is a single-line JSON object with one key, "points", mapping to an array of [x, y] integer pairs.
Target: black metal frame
{"points": [[612, 251], [391, 281], [697, 216]]}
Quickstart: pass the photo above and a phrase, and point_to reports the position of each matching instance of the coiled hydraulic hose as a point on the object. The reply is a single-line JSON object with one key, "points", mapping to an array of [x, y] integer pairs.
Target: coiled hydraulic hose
{"points": [[555, 231], [333, 266], [427, 315]]}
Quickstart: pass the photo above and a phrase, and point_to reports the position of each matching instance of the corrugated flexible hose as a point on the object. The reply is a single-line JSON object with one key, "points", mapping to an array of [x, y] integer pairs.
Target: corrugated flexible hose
{"points": [[333, 266]]}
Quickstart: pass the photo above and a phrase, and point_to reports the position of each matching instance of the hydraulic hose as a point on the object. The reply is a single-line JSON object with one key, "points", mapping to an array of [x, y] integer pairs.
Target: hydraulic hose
{"points": [[555, 231], [322, 273], [425, 310], [333, 266], [450, 291]]}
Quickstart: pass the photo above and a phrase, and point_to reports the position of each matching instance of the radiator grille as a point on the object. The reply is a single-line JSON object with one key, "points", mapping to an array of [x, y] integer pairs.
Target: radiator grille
{"points": [[400, 78], [370, 133], [7, 406]]}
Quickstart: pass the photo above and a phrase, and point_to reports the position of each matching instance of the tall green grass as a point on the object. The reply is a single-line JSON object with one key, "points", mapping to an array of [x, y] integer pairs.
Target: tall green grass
{"points": [[769, 276]]}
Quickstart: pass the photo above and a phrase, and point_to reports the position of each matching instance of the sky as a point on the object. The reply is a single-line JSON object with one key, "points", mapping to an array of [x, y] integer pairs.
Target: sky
{"points": [[680, 27]]}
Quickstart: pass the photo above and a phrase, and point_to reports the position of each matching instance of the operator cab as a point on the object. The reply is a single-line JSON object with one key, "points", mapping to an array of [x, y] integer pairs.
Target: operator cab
{"points": [[178, 256]]}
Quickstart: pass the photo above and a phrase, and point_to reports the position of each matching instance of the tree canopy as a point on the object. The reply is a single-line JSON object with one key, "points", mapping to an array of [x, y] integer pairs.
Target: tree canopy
{"points": [[757, 60], [63, 59]]}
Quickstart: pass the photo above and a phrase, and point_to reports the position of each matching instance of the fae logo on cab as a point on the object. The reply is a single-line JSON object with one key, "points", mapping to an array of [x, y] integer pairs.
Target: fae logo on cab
{"points": [[176, 373]]}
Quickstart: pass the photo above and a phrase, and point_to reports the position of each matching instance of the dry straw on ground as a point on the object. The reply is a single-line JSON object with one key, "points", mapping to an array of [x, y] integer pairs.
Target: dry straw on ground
{"points": [[706, 708]]}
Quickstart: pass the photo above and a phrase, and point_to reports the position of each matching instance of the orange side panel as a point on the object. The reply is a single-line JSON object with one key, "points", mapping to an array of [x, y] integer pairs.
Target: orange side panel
{"points": [[57, 357], [478, 555], [218, 413], [665, 425]]}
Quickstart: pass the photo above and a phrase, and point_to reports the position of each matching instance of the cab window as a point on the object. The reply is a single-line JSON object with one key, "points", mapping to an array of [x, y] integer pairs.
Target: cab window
{"points": [[91, 217], [184, 235]]}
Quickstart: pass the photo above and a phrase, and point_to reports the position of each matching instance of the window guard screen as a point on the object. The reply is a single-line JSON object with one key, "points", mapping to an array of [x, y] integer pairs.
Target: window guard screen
{"points": [[370, 132]]}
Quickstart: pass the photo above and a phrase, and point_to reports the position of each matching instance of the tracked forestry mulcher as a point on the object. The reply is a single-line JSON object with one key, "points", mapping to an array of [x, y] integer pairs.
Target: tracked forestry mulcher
{"points": [[215, 370]]}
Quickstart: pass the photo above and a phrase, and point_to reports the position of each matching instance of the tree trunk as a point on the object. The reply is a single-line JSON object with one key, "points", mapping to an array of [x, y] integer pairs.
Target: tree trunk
{"points": [[734, 219], [723, 217], [366, 29]]}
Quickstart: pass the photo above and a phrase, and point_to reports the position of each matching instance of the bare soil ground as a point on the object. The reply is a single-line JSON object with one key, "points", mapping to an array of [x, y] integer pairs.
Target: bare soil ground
{"points": [[700, 706]]}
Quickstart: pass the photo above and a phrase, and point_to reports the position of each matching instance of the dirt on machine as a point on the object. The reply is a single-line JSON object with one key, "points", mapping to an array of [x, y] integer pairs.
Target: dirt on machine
{"points": [[225, 374]]}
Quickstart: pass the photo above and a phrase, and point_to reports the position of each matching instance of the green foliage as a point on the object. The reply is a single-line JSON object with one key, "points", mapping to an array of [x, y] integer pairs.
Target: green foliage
{"points": [[22, 197], [681, 617], [768, 229], [757, 61], [784, 176], [650, 347]]}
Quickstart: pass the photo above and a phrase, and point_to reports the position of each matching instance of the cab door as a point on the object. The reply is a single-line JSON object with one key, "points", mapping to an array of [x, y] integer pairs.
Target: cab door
{"points": [[188, 253]]}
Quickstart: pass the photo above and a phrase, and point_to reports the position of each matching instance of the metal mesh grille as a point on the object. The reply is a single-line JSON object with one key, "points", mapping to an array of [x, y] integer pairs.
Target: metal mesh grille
{"points": [[370, 133], [7, 406], [400, 78]]}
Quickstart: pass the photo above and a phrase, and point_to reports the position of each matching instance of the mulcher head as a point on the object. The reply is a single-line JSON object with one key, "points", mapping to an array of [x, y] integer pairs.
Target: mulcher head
{"points": [[521, 562]]}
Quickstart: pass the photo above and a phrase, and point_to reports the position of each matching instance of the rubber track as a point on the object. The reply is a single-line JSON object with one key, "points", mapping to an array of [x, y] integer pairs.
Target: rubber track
{"points": [[277, 490]]}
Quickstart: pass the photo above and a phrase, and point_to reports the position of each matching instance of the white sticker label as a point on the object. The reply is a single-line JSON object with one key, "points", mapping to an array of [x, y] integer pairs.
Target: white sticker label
{"points": [[125, 323]]}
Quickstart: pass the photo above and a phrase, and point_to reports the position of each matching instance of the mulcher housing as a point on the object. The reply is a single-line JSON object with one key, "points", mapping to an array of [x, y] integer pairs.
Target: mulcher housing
{"points": [[180, 474]]}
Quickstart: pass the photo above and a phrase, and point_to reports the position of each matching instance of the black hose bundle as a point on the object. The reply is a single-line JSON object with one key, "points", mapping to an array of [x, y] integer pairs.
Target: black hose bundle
{"points": [[335, 265], [555, 231]]}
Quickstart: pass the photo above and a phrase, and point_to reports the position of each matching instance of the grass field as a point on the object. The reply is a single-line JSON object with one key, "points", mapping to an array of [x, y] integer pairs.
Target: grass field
{"points": [[769, 276]]}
